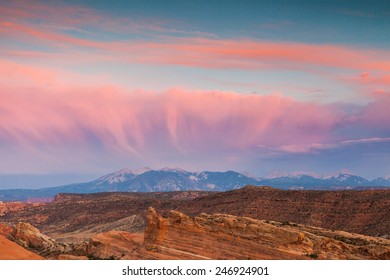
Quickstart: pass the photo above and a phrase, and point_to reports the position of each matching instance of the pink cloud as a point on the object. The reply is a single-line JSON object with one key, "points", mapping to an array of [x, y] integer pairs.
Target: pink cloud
{"points": [[376, 114], [375, 84], [71, 17], [19, 23], [368, 78], [178, 120], [12, 29], [192, 52], [212, 53], [38, 107], [48, 25], [249, 54]]}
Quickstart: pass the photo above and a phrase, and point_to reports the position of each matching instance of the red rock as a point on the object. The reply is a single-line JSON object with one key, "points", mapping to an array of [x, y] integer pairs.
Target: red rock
{"points": [[11, 251], [6, 231], [114, 245], [222, 236], [29, 236]]}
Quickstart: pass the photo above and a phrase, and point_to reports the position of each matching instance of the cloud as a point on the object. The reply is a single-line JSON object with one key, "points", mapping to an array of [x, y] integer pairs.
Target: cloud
{"points": [[68, 28], [376, 114], [54, 20], [316, 147], [366, 140], [40, 107], [138, 122], [376, 83], [52, 100]]}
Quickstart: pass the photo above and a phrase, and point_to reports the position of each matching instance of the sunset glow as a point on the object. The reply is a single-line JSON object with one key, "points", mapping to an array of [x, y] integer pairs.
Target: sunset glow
{"points": [[88, 89]]}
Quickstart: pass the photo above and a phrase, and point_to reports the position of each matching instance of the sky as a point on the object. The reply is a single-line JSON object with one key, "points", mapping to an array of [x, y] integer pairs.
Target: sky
{"points": [[90, 87]]}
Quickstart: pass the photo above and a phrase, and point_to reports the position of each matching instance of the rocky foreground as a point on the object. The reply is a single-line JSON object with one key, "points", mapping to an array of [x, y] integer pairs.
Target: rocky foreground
{"points": [[75, 215], [217, 236], [12, 251], [257, 223]]}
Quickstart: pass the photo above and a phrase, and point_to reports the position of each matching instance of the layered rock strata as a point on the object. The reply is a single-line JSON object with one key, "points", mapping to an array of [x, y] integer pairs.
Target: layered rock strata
{"points": [[222, 236]]}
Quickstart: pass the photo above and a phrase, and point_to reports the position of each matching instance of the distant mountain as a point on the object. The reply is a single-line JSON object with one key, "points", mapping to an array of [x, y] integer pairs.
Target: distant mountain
{"points": [[175, 179], [168, 179], [145, 180], [342, 181]]}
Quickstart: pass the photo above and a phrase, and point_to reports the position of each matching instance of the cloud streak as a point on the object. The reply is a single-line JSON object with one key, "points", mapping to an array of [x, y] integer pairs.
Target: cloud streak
{"points": [[68, 76], [213, 53], [316, 147], [137, 122], [177, 121], [50, 25]]}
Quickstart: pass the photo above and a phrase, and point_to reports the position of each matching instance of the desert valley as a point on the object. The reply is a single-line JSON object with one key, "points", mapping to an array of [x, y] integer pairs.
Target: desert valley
{"points": [[248, 223]]}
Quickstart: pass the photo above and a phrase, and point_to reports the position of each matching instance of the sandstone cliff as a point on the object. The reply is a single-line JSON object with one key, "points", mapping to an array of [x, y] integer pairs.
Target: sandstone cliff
{"points": [[222, 236], [216, 236], [70, 216]]}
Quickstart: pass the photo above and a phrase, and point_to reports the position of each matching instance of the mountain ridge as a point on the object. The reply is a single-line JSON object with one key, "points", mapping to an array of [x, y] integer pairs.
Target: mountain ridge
{"points": [[176, 179]]}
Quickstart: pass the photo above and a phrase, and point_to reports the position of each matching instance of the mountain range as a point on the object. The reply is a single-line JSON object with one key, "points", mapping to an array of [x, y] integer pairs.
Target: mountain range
{"points": [[175, 179]]}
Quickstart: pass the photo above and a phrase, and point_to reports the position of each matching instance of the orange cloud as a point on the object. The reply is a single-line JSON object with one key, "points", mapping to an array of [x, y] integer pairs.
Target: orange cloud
{"points": [[249, 54], [9, 28], [19, 22], [48, 25], [211, 53]]}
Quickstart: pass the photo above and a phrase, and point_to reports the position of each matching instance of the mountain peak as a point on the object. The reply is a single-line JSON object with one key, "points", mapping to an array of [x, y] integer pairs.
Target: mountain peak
{"points": [[140, 171], [176, 169], [293, 174], [116, 177], [123, 171]]}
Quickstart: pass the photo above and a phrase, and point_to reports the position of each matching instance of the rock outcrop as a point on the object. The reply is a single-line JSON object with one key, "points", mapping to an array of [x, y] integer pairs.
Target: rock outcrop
{"points": [[277, 224], [32, 239], [6, 207], [70, 216], [29, 236], [222, 236], [115, 245], [363, 212], [11, 251], [216, 236], [6, 231]]}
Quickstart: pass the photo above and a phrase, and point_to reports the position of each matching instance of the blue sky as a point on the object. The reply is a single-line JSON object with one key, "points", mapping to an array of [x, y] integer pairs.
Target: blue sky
{"points": [[89, 87]]}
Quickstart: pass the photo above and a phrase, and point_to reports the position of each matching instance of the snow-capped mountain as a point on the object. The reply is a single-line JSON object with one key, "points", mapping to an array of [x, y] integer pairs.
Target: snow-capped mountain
{"points": [[173, 179], [176, 179], [294, 174], [303, 181], [381, 181], [120, 176]]}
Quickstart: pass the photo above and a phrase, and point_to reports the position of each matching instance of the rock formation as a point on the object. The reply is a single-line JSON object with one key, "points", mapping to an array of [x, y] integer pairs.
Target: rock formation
{"points": [[216, 236], [6, 231], [277, 224], [222, 236], [72, 216], [115, 245], [29, 236], [32, 239], [6, 207], [11, 251]]}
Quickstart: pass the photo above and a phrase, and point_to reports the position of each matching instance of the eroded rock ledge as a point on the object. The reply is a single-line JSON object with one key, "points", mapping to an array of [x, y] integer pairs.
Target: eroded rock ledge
{"points": [[222, 236], [217, 236]]}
